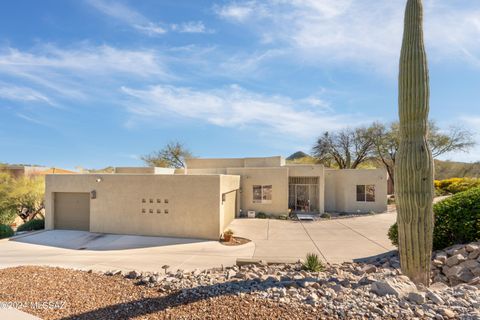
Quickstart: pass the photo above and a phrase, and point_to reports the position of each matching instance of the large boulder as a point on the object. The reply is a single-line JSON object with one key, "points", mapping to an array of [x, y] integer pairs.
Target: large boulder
{"points": [[399, 286]]}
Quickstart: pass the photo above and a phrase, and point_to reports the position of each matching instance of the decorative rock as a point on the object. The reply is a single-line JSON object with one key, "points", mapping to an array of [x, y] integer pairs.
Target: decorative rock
{"points": [[231, 273], [435, 298], [458, 274], [417, 297], [134, 274], [400, 287], [447, 313], [369, 269], [454, 260], [472, 247], [441, 256], [474, 254], [437, 263]]}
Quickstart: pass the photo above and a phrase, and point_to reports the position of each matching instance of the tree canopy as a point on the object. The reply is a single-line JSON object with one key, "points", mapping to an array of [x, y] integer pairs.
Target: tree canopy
{"points": [[173, 155], [348, 148]]}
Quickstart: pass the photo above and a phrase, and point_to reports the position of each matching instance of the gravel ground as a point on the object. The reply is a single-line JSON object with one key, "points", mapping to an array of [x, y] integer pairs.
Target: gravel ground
{"points": [[96, 296], [375, 289]]}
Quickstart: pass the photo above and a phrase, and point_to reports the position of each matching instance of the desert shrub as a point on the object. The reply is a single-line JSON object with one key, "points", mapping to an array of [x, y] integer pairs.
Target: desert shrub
{"points": [[35, 224], [262, 215], [393, 234], [5, 231], [457, 220], [282, 217], [325, 215], [455, 185], [313, 263], [22, 196]]}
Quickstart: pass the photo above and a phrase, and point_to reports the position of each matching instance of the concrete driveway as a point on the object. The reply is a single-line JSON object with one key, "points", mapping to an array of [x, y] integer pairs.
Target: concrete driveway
{"points": [[273, 240], [84, 250], [335, 241]]}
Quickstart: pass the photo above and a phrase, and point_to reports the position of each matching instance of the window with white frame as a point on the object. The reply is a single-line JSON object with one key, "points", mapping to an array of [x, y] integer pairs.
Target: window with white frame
{"points": [[366, 193], [262, 194]]}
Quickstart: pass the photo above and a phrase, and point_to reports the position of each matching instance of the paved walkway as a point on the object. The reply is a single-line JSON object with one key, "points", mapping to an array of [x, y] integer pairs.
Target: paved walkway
{"points": [[275, 240], [335, 241]]}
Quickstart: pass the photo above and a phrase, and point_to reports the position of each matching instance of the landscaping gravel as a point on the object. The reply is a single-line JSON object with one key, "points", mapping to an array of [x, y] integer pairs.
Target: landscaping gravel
{"points": [[374, 290]]}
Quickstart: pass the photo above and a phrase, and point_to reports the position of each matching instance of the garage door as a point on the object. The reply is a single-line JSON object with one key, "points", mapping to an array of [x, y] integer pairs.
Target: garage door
{"points": [[72, 211]]}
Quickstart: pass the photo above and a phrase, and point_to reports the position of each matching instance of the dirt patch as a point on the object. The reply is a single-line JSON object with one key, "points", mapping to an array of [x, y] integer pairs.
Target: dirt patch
{"points": [[235, 241]]}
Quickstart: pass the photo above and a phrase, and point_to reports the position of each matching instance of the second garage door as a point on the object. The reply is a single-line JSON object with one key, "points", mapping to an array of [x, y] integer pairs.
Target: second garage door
{"points": [[72, 211]]}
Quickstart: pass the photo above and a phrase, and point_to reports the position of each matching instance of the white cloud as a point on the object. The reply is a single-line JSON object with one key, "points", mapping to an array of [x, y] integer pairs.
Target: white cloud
{"points": [[191, 27], [16, 93], [356, 31], [236, 107], [126, 14], [239, 11], [138, 21], [71, 72], [150, 28]]}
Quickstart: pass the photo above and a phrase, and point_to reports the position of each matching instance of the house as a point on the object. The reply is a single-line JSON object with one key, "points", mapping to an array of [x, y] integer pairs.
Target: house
{"points": [[201, 200], [18, 171]]}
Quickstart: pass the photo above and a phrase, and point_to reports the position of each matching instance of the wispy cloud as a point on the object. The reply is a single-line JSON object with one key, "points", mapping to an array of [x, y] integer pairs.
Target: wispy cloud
{"points": [[241, 11], [236, 107], [71, 73], [16, 93], [191, 27], [357, 31], [128, 15], [31, 120], [136, 20]]}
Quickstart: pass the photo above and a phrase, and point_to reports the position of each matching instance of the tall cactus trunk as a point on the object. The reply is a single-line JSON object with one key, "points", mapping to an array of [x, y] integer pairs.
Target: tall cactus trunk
{"points": [[414, 163]]}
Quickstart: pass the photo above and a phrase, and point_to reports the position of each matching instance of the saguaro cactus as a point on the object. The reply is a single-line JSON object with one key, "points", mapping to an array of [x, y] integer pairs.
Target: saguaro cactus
{"points": [[414, 165]]}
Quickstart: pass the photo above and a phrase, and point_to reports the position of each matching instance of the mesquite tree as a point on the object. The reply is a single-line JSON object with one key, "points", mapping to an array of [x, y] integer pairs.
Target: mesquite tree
{"points": [[414, 163]]}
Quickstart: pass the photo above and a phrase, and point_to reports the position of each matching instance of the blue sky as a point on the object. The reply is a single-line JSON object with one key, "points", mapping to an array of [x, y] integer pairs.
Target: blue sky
{"points": [[97, 82]]}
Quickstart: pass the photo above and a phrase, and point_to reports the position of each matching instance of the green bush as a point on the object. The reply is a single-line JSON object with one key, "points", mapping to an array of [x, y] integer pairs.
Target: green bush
{"points": [[261, 215], [313, 263], [35, 224], [5, 231], [325, 215], [393, 234], [457, 220]]}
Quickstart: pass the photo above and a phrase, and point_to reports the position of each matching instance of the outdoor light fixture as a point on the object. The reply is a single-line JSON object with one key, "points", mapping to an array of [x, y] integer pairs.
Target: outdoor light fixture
{"points": [[98, 180], [93, 194]]}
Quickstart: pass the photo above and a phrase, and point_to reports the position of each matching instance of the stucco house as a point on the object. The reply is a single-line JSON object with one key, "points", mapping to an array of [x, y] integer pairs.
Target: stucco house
{"points": [[201, 200]]}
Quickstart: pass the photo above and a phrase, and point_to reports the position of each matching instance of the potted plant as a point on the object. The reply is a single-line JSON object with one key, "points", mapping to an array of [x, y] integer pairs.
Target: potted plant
{"points": [[227, 235]]}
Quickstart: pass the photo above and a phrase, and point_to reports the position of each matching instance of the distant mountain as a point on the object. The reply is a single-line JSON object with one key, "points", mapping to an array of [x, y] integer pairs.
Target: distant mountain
{"points": [[453, 169], [297, 155]]}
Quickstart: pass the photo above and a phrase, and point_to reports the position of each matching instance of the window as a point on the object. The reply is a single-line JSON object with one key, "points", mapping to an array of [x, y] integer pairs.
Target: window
{"points": [[366, 193], [262, 194]]}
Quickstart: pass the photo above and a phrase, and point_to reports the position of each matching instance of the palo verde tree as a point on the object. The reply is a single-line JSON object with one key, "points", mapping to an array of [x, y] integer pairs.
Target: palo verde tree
{"points": [[414, 162]]}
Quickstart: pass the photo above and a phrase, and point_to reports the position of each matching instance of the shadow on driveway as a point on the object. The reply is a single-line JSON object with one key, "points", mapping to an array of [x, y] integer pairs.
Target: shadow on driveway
{"points": [[83, 240]]}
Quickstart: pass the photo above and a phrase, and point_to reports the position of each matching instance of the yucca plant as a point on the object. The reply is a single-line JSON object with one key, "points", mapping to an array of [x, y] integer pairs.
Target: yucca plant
{"points": [[313, 263], [414, 164]]}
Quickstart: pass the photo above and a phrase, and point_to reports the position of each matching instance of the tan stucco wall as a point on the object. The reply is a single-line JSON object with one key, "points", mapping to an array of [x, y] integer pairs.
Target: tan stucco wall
{"points": [[194, 203], [144, 170], [277, 177], [202, 163], [340, 190]]}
